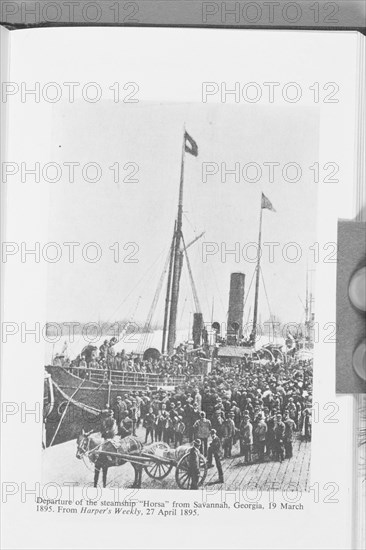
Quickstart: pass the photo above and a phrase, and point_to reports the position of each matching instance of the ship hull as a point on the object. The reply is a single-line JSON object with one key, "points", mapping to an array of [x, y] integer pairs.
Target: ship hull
{"points": [[78, 402], [77, 405]]}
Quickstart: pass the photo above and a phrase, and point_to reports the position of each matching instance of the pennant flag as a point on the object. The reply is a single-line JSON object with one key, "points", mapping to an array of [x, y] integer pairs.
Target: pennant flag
{"points": [[266, 203], [190, 145]]}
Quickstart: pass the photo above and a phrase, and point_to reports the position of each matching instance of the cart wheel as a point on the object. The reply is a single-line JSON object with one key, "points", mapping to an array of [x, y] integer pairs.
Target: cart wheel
{"points": [[158, 470], [182, 475], [155, 468]]}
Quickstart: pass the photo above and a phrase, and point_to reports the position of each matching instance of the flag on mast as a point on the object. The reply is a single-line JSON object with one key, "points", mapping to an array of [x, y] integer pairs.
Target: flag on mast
{"points": [[266, 203], [190, 146]]}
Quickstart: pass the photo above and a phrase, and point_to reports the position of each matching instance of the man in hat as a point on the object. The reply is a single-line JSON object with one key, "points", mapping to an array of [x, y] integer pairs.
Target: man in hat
{"points": [[194, 464], [292, 411], [228, 430], [218, 421], [289, 434], [279, 433], [103, 350], [197, 399], [132, 411], [168, 430], [260, 436], [202, 428], [118, 410], [188, 418], [109, 425], [236, 412], [246, 438], [306, 422], [214, 451], [179, 428], [270, 435], [149, 424], [160, 418], [126, 426], [139, 403]]}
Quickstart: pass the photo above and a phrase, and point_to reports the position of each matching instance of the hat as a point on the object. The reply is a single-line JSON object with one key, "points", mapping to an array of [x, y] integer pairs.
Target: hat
{"points": [[213, 431], [118, 397], [197, 443]]}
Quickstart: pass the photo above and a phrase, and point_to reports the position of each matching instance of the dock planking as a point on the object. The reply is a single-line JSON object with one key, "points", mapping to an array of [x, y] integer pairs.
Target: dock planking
{"points": [[291, 474], [60, 465]]}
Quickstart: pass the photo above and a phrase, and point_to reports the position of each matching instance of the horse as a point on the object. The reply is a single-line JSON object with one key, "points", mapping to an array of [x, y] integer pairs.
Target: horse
{"points": [[93, 445]]}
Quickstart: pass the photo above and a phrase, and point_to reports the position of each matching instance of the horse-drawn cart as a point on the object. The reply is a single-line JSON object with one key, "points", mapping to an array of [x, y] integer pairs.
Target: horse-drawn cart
{"points": [[156, 459], [161, 459]]}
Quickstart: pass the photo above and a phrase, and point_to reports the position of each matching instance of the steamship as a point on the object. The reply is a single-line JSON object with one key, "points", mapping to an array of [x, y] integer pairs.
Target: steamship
{"points": [[74, 397]]}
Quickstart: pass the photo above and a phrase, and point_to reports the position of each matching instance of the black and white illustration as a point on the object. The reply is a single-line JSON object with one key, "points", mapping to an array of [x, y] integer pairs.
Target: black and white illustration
{"points": [[180, 334]]}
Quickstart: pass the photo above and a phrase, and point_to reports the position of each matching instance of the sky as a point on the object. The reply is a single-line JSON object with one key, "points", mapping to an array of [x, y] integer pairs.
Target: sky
{"points": [[143, 212]]}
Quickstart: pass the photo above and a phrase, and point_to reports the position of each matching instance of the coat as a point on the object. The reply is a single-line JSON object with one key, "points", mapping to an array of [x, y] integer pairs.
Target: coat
{"points": [[246, 433], [202, 428], [109, 428], [193, 461], [261, 430], [289, 429], [215, 445], [279, 431], [228, 429]]}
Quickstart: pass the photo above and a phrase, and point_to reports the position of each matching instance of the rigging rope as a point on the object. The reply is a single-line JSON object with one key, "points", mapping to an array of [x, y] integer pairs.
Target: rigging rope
{"points": [[136, 285], [250, 286], [193, 285], [151, 313], [64, 412], [269, 307], [190, 223]]}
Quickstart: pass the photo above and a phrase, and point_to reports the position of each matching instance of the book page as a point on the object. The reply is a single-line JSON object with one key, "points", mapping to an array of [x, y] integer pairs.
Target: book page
{"points": [[168, 341]]}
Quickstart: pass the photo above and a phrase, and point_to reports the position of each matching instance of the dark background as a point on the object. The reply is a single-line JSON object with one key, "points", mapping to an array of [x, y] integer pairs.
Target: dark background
{"points": [[300, 14]]}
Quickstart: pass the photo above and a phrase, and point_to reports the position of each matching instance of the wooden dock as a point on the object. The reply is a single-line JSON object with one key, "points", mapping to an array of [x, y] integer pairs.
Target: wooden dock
{"points": [[60, 465], [292, 474]]}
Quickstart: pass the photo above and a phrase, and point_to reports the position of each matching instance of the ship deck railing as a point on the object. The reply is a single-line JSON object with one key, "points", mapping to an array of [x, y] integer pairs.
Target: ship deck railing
{"points": [[133, 379]]}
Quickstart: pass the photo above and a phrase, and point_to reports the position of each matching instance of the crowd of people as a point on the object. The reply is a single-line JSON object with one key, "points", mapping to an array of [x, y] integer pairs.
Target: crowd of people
{"points": [[260, 408], [105, 359]]}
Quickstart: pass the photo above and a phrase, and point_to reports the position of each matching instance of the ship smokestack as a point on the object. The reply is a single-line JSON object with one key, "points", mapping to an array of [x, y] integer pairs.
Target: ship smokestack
{"points": [[236, 308]]}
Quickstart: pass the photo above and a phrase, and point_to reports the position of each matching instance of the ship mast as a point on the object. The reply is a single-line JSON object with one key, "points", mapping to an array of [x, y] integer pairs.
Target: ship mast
{"points": [[253, 334], [177, 261], [178, 249], [265, 203], [168, 290]]}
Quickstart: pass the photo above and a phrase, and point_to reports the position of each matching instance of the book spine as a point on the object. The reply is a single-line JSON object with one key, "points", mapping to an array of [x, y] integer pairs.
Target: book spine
{"points": [[359, 530]]}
